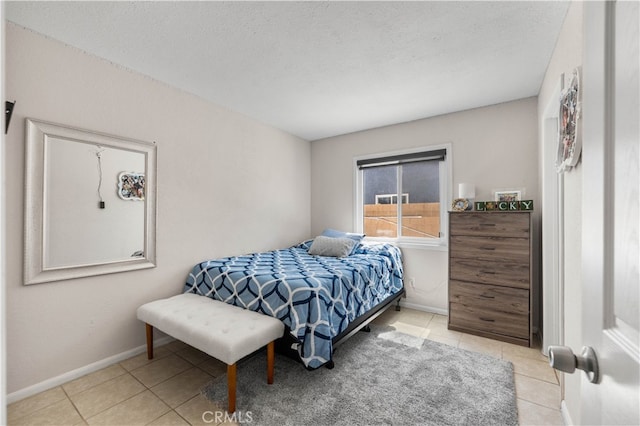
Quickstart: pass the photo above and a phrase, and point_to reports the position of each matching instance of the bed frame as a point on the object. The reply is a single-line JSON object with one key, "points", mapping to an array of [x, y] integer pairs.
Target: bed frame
{"points": [[285, 345]]}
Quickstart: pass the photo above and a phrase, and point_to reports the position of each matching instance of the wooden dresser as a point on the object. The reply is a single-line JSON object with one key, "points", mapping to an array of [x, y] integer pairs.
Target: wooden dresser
{"points": [[490, 275]]}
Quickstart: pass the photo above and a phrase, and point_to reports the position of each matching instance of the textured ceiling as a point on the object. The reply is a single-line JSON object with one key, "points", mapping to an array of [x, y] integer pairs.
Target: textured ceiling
{"points": [[319, 69]]}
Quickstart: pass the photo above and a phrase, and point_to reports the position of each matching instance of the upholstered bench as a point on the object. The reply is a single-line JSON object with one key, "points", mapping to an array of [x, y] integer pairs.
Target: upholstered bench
{"points": [[227, 333]]}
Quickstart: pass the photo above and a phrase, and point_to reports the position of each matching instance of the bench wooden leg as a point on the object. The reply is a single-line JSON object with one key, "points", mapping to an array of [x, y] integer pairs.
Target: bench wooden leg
{"points": [[149, 341], [270, 361], [231, 387]]}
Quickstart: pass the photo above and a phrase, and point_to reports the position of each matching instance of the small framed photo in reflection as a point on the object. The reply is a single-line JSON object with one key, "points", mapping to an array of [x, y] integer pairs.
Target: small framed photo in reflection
{"points": [[131, 186]]}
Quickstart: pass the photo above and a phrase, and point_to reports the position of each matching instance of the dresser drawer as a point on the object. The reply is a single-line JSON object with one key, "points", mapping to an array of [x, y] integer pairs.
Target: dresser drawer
{"points": [[509, 274], [496, 322], [490, 248], [489, 297], [490, 224]]}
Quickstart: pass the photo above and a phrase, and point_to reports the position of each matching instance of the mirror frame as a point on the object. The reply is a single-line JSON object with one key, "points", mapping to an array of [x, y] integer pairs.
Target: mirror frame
{"points": [[37, 133]]}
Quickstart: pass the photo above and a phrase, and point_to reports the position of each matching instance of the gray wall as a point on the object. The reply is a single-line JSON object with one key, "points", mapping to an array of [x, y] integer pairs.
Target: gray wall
{"points": [[226, 185], [493, 147]]}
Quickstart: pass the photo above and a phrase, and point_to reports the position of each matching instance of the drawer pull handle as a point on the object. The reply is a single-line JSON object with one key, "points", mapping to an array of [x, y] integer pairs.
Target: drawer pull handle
{"points": [[488, 248], [488, 272], [487, 297], [487, 319], [487, 224]]}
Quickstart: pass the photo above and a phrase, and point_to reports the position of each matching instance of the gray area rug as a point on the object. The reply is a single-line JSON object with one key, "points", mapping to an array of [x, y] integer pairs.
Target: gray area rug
{"points": [[380, 378]]}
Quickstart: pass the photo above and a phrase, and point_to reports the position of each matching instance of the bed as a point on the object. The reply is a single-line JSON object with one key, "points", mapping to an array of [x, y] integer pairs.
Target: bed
{"points": [[322, 300]]}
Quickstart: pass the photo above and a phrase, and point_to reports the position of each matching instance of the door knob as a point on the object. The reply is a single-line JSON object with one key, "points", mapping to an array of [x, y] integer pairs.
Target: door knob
{"points": [[562, 358]]}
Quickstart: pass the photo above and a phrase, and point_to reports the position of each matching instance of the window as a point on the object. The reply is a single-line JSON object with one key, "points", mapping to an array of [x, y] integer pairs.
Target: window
{"points": [[391, 198], [420, 180]]}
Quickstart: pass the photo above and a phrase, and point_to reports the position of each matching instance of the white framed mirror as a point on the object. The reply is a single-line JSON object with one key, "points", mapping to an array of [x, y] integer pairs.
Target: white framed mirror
{"points": [[90, 203]]}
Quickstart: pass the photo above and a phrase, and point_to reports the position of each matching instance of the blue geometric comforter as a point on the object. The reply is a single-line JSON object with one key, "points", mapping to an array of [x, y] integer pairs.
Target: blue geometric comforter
{"points": [[315, 296]]}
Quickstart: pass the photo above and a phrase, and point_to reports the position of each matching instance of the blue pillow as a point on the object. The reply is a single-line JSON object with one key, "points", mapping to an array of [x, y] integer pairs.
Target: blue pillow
{"points": [[339, 234]]}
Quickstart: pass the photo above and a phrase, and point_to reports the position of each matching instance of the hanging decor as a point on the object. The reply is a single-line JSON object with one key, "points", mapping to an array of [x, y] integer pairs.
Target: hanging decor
{"points": [[131, 186], [569, 132], [99, 152]]}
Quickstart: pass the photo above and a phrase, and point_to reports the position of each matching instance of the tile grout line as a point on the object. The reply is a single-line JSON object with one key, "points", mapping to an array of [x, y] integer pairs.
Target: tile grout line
{"points": [[178, 414], [16, 420], [538, 404], [168, 378], [172, 409], [118, 403], [73, 404], [115, 405], [532, 377]]}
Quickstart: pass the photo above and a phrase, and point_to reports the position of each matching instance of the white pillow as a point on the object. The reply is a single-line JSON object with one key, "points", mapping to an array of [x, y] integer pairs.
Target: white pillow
{"points": [[334, 247]]}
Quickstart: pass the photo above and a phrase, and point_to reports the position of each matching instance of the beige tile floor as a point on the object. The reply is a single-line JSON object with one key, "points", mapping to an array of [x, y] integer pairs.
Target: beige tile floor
{"points": [[166, 390]]}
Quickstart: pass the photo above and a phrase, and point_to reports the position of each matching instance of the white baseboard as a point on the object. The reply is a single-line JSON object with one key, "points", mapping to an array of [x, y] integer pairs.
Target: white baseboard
{"points": [[82, 371], [423, 308]]}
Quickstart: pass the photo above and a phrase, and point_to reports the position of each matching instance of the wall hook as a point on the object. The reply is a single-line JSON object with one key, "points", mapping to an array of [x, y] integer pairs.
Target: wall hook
{"points": [[8, 110]]}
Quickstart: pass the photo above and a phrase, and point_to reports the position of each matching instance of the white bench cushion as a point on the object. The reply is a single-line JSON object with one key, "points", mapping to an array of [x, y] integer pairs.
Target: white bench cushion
{"points": [[224, 331]]}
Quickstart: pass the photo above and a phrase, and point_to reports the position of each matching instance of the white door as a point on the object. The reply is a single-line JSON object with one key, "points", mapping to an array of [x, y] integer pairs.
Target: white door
{"points": [[611, 220]]}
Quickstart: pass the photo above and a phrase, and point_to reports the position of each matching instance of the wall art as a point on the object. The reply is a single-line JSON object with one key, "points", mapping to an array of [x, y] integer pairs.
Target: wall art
{"points": [[569, 132], [131, 186]]}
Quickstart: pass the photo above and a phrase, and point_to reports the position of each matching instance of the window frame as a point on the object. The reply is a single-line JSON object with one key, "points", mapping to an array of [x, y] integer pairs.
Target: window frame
{"points": [[445, 181]]}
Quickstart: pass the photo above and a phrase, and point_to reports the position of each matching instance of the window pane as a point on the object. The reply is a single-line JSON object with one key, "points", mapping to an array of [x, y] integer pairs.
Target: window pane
{"points": [[380, 192], [421, 215]]}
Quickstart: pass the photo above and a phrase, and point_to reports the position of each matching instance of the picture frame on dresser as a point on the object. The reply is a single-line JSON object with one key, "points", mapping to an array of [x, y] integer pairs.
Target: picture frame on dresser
{"points": [[508, 195]]}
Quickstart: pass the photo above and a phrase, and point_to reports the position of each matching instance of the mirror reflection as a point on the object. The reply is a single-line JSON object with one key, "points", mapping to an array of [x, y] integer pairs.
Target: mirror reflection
{"points": [[90, 203], [92, 215]]}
